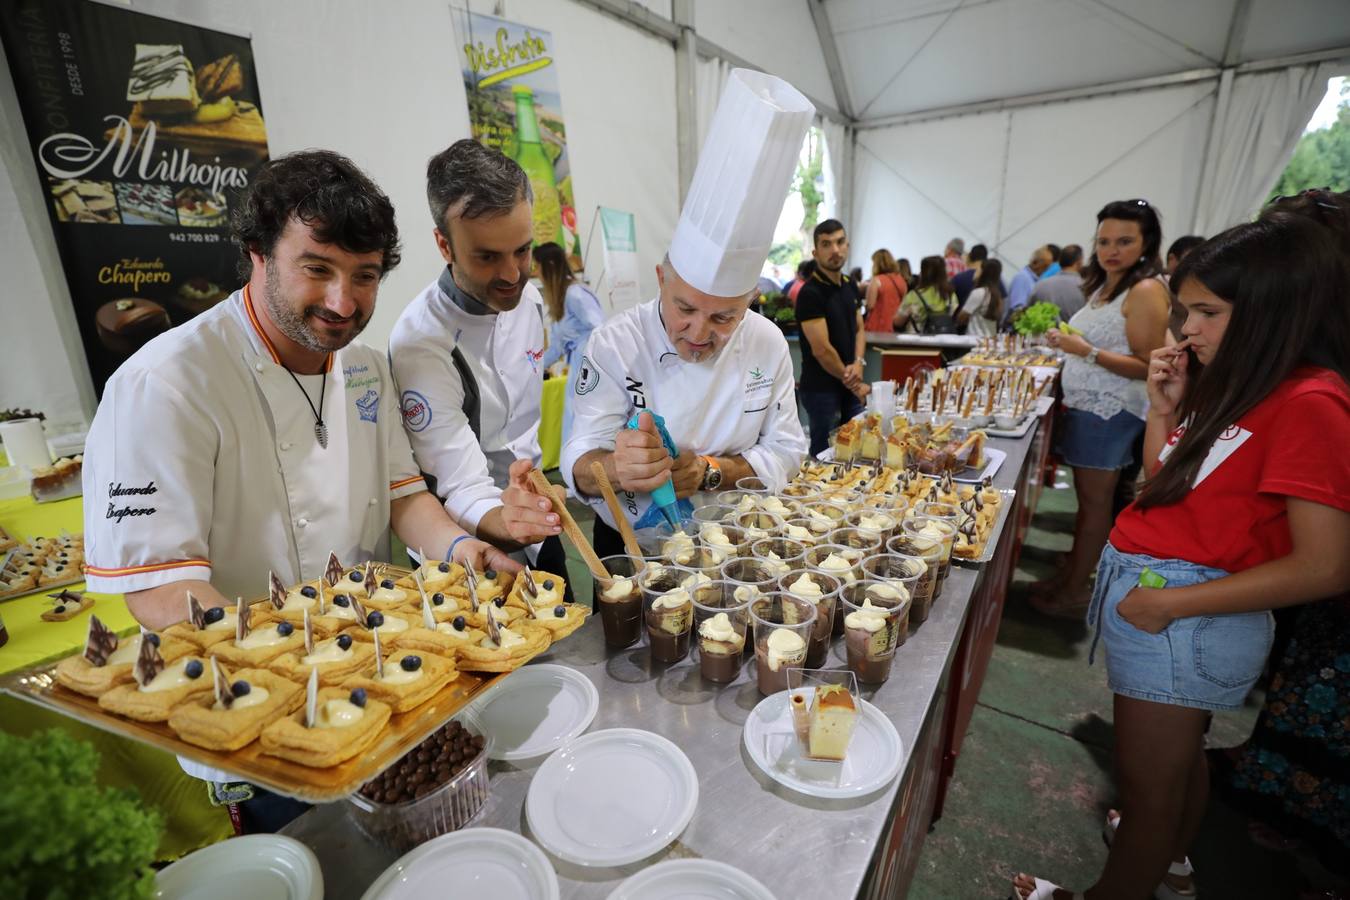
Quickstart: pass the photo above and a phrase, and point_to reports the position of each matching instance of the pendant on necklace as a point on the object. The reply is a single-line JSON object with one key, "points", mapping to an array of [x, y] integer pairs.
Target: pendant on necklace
{"points": [[321, 432]]}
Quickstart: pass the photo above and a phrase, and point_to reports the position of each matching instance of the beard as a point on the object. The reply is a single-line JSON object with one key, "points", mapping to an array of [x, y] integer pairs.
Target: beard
{"points": [[487, 294], [294, 323]]}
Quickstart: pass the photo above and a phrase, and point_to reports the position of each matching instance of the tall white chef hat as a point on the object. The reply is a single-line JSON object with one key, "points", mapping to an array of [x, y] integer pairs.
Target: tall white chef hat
{"points": [[726, 226]]}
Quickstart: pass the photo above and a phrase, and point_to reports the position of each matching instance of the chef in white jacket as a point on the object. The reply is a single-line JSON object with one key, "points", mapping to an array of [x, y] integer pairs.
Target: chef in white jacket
{"points": [[467, 351], [261, 435], [721, 377]]}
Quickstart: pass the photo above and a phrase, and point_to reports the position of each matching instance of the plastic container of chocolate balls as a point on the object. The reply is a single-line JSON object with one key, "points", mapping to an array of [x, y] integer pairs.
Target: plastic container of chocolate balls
{"points": [[401, 816]]}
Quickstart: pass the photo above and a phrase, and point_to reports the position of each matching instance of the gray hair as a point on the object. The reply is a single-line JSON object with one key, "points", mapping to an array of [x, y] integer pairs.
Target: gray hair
{"points": [[957, 244], [475, 180]]}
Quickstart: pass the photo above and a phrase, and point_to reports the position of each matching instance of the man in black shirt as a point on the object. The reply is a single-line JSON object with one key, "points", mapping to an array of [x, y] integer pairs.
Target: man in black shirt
{"points": [[833, 341]]}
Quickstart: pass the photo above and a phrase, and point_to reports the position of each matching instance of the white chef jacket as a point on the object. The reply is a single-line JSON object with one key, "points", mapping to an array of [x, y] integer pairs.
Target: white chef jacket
{"points": [[202, 462], [741, 402], [501, 373]]}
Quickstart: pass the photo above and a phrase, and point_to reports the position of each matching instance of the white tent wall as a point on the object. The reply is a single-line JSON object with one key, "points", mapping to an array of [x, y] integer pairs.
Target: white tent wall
{"points": [[1015, 179], [778, 37], [381, 84]]}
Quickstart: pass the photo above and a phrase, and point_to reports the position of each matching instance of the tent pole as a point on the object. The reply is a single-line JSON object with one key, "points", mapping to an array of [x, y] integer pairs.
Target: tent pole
{"points": [[1204, 186], [686, 98]]}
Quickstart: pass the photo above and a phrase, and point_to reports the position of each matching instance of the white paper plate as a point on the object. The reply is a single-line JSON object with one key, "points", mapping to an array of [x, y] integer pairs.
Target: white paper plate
{"points": [[475, 862], [537, 710], [993, 459], [691, 879], [256, 866], [874, 757], [612, 797]]}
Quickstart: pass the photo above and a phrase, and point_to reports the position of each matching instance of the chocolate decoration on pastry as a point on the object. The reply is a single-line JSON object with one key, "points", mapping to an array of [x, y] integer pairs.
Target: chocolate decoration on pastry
{"points": [[100, 643]]}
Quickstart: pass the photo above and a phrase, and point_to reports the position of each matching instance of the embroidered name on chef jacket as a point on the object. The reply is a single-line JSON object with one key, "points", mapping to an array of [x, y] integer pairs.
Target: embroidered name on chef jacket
{"points": [[116, 489]]}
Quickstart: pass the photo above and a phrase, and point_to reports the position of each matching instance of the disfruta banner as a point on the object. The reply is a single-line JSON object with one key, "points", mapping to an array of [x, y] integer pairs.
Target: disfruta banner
{"points": [[619, 234], [511, 80], [144, 132]]}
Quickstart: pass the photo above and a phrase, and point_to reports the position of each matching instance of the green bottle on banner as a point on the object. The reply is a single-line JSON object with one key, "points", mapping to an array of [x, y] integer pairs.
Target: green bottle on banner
{"points": [[539, 169]]}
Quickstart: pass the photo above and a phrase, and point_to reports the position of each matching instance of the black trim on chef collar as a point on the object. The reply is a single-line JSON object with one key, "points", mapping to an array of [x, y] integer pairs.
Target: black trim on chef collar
{"points": [[670, 351], [471, 305]]}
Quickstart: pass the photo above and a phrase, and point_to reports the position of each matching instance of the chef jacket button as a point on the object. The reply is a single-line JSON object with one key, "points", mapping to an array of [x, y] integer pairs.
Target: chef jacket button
{"points": [[301, 522], [285, 445], [258, 366], [373, 501]]}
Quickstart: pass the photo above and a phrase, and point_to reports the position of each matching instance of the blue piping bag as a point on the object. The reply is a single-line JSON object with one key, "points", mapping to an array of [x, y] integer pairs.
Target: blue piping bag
{"points": [[664, 495]]}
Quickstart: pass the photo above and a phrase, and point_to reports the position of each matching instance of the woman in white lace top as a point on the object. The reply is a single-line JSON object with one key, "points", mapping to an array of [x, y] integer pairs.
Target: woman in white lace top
{"points": [[1105, 400]]}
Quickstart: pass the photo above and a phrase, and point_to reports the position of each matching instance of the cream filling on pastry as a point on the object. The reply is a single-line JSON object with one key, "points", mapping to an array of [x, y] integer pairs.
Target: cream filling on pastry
{"points": [[509, 640], [298, 602], [396, 674], [388, 595], [326, 651], [263, 637], [255, 697], [449, 629], [338, 713], [172, 676], [225, 623], [126, 652]]}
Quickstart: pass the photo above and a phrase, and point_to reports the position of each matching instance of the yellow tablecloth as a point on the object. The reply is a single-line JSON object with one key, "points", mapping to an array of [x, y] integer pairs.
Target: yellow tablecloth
{"points": [[550, 422], [190, 821]]}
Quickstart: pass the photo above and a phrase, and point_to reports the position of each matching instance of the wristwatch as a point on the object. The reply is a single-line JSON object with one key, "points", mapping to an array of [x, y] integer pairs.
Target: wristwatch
{"points": [[712, 476], [1091, 357]]}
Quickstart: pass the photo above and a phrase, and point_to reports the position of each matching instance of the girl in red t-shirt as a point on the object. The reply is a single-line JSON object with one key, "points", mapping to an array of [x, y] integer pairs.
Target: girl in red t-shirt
{"points": [[1248, 510]]}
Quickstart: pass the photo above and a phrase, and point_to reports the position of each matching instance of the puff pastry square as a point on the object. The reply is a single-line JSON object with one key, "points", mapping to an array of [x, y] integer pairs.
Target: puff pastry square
{"points": [[199, 722], [400, 694], [322, 747]]}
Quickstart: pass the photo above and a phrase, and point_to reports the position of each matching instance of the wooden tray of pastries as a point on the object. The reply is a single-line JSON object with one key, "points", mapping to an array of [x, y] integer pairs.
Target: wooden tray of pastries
{"points": [[180, 689]]}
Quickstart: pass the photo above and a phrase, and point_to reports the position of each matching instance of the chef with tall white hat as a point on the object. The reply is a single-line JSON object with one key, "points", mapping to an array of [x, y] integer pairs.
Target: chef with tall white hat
{"points": [[719, 376]]}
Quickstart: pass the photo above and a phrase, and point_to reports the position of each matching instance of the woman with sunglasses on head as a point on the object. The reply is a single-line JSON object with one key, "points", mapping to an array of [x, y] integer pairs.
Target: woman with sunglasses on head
{"points": [[1107, 352], [1247, 510]]}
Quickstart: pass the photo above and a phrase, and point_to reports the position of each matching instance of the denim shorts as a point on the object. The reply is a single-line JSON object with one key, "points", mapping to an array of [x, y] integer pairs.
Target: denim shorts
{"points": [[1087, 441], [1204, 662]]}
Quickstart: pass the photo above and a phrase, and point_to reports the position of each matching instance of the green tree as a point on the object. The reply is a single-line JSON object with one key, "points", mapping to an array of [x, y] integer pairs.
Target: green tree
{"points": [[1321, 158], [808, 181], [788, 253]]}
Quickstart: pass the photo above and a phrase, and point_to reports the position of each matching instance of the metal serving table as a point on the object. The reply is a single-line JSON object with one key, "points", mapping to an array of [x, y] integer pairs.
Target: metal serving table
{"points": [[799, 847]]}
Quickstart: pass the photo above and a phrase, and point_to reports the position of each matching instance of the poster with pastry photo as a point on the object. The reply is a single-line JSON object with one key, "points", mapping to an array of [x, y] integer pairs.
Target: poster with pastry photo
{"points": [[144, 131]]}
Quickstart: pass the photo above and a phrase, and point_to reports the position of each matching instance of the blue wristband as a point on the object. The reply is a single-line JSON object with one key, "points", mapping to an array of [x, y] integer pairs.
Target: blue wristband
{"points": [[449, 554]]}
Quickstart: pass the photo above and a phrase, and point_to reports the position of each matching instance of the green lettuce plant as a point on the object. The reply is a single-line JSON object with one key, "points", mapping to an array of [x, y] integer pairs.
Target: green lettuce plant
{"points": [[62, 835]]}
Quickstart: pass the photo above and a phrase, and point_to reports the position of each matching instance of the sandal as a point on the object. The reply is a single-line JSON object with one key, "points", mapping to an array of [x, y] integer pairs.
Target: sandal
{"points": [[1044, 890], [1164, 890]]}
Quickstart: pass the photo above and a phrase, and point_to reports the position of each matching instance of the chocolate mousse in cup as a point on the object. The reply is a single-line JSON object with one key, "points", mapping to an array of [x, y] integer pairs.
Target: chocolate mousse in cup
{"points": [[803, 491], [668, 609], [620, 600], [781, 555], [758, 525], [874, 625], [936, 509], [822, 590], [843, 561], [721, 621], [921, 550], [781, 626], [875, 519], [751, 577], [939, 530]]}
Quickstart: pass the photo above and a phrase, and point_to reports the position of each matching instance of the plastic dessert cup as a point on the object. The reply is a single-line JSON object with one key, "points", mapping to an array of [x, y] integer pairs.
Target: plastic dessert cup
{"points": [[758, 525], [620, 601], [878, 521], [723, 538], [782, 628], [927, 551], [876, 617], [668, 611], [866, 542], [721, 622], [798, 584], [779, 554], [938, 529], [754, 575], [839, 560], [713, 514]]}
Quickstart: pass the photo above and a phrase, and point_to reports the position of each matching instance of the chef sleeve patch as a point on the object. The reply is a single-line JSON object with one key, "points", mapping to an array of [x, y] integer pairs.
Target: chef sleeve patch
{"points": [[416, 411], [588, 377]]}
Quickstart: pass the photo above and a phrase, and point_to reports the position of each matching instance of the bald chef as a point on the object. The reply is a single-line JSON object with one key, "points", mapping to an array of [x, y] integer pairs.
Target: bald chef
{"points": [[262, 435], [721, 378]]}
